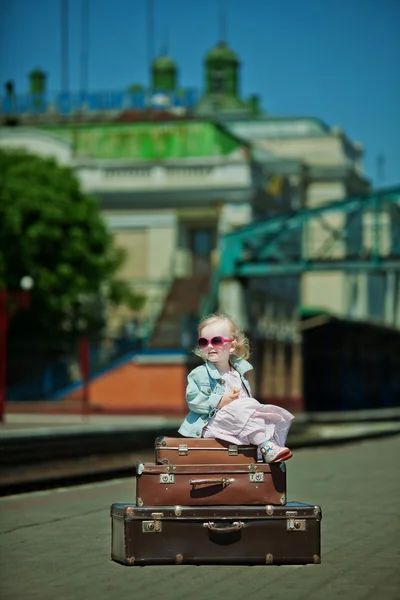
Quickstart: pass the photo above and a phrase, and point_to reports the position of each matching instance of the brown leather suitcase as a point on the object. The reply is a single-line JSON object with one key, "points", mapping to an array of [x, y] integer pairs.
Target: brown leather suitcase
{"points": [[198, 485], [250, 535], [189, 451]]}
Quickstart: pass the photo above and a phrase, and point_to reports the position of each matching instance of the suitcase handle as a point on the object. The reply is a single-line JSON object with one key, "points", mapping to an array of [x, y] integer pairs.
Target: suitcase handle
{"points": [[224, 481], [236, 526]]}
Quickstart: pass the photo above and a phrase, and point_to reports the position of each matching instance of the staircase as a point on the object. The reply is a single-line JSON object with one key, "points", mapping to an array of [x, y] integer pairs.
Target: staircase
{"points": [[176, 326]]}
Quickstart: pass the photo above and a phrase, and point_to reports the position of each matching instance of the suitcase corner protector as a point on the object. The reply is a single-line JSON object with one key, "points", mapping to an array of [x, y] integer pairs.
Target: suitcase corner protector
{"points": [[269, 559], [317, 512]]}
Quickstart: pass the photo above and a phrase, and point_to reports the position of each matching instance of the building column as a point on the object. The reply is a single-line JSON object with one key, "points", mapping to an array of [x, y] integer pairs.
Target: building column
{"points": [[392, 299], [296, 391], [266, 384], [279, 371], [232, 301]]}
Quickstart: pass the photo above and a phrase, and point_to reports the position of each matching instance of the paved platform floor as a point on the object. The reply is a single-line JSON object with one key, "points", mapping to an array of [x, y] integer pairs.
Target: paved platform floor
{"points": [[55, 545]]}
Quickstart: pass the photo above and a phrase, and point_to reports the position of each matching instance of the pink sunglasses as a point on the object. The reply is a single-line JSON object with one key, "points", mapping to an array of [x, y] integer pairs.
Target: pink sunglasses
{"points": [[216, 341]]}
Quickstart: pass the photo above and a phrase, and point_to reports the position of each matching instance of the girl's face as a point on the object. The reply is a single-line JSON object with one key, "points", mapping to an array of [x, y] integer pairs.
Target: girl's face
{"points": [[219, 355]]}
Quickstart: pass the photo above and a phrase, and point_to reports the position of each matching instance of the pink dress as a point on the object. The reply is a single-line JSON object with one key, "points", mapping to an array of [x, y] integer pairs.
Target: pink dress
{"points": [[246, 421]]}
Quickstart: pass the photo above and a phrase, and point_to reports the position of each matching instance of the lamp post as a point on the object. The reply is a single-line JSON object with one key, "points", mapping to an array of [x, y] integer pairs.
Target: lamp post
{"points": [[20, 299], [84, 356], [84, 359]]}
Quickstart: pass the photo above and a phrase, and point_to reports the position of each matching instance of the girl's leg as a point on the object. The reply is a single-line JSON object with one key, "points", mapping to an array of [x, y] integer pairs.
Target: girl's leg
{"points": [[257, 431], [261, 434], [271, 452]]}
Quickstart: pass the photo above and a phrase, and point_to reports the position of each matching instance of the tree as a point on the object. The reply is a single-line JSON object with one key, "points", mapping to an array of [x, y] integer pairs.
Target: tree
{"points": [[54, 233]]}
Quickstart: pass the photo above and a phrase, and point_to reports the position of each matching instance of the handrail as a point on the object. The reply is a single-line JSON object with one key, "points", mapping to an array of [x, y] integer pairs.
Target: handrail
{"points": [[209, 302], [158, 303]]}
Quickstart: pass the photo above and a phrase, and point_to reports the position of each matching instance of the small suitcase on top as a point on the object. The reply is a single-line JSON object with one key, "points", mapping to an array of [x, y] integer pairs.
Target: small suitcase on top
{"points": [[198, 485], [194, 451], [216, 535]]}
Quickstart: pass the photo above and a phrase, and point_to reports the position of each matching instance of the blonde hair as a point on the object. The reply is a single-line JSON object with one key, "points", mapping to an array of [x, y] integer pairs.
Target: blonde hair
{"points": [[242, 349]]}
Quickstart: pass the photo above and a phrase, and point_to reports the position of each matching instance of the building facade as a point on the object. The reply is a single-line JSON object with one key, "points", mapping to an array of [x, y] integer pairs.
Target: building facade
{"points": [[173, 172]]}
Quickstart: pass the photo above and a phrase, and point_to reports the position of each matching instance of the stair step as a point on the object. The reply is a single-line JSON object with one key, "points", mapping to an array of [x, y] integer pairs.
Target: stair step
{"points": [[183, 300]]}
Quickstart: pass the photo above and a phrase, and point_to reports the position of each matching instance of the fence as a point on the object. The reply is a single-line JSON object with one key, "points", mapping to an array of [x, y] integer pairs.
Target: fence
{"points": [[38, 370]]}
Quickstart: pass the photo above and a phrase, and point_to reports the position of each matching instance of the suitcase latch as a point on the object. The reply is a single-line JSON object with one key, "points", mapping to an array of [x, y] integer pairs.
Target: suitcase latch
{"points": [[151, 527], [167, 478], [232, 450], [296, 525], [183, 450], [256, 477], [252, 467]]}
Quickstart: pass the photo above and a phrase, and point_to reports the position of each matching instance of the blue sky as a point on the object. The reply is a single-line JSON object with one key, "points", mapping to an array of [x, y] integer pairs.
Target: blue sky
{"points": [[333, 59]]}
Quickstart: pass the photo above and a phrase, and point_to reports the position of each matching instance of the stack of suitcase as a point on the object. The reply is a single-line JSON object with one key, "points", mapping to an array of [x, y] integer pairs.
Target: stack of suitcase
{"points": [[206, 501]]}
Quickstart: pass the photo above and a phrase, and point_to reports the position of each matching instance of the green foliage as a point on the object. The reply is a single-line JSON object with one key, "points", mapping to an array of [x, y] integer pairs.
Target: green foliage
{"points": [[54, 233]]}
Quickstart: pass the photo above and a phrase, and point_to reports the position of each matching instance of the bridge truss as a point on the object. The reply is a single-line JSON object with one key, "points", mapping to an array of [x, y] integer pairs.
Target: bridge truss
{"points": [[354, 234]]}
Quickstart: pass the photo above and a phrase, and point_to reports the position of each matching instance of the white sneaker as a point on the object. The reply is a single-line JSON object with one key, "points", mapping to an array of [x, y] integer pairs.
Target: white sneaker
{"points": [[271, 452]]}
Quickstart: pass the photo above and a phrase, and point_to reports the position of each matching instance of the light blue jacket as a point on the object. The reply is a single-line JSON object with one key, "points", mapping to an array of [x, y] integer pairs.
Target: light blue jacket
{"points": [[204, 390]]}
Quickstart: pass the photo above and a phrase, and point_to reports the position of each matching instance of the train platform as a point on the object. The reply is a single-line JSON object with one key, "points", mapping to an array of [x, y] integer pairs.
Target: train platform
{"points": [[45, 450], [28, 419], [56, 543]]}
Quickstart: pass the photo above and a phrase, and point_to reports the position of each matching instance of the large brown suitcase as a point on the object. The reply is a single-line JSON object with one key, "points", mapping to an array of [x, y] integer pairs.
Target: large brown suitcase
{"points": [[250, 535], [197, 485], [189, 451]]}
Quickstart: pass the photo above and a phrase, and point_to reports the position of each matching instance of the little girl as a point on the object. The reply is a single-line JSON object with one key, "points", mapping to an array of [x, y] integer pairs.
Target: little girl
{"points": [[219, 395]]}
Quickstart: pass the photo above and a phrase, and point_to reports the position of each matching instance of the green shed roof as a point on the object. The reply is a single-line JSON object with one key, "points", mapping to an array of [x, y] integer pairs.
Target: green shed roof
{"points": [[307, 311]]}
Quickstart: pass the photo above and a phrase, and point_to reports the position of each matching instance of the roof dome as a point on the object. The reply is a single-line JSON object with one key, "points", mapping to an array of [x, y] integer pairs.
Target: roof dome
{"points": [[164, 63], [221, 52], [37, 73]]}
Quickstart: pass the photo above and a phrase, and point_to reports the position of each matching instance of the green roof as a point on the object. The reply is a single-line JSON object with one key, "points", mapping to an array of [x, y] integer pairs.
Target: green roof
{"points": [[147, 141], [221, 52]]}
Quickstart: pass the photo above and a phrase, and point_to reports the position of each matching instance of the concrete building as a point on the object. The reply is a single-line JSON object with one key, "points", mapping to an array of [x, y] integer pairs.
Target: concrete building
{"points": [[173, 173], [332, 169]]}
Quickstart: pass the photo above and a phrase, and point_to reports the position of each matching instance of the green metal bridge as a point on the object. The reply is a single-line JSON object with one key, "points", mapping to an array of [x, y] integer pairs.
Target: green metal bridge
{"points": [[354, 234], [349, 355]]}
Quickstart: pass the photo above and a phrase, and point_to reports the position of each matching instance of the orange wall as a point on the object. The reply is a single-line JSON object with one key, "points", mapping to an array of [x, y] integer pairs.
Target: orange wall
{"points": [[159, 388], [139, 388]]}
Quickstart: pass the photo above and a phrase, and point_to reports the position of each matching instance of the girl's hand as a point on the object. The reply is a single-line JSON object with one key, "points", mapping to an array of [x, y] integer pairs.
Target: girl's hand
{"points": [[228, 398]]}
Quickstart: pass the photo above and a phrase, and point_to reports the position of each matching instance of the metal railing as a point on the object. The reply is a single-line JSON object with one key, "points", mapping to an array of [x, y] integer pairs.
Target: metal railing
{"points": [[66, 103]]}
